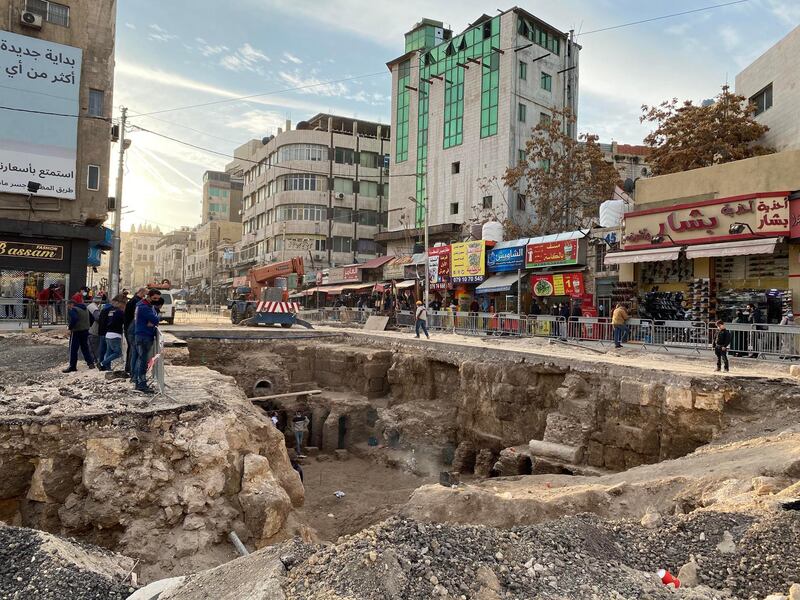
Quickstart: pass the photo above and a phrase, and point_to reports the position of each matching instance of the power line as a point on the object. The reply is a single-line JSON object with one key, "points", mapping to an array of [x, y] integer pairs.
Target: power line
{"points": [[678, 14], [281, 91], [55, 114]]}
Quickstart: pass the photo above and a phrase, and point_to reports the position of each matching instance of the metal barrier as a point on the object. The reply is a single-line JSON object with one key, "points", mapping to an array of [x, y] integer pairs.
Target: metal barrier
{"points": [[202, 314], [155, 364]]}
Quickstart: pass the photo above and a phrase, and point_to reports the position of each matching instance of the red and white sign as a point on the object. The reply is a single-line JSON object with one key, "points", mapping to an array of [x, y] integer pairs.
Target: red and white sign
{"points": [[794, 218], [551, 254], [278, 307], [439, 267], [560, 284]]}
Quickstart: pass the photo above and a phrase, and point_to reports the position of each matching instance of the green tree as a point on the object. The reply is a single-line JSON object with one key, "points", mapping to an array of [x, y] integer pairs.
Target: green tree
{"points": [[564, 179], [688, 136]]}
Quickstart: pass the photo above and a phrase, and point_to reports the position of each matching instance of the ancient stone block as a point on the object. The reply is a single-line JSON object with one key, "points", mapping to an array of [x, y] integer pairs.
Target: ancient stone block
{"points": [[561, 452], [484, 462], [16, 476], [464, 457], [714, 401], [594, 454], [613, 458], [564, 429], [264, 502], [636, 392], [678, 398], [340, 454], [53, 479], [512, 461]]}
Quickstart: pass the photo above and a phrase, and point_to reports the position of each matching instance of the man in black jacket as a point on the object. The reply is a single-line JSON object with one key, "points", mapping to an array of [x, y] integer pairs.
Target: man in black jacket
{"points": [[721, 344], [130, 327]]}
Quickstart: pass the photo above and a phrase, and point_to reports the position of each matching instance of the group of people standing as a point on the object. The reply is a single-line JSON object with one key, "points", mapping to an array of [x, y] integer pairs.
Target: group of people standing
{"points": [[97, 329]]}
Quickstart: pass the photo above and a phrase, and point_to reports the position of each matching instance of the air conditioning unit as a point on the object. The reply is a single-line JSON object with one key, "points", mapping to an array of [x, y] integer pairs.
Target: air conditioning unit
{"points": [[339, 196], [31, 19]]}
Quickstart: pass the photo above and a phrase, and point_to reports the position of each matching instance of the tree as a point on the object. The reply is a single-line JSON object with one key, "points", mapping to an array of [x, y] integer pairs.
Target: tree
{"points": [[564, 179], [688, 136]]}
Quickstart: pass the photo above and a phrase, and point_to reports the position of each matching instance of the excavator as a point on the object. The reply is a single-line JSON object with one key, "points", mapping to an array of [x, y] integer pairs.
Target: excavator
{"points": [[261, 302]]}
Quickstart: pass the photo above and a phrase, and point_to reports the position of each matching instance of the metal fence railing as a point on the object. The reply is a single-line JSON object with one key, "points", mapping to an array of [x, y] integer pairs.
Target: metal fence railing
{"points": [[203, 314], [33, 313]]}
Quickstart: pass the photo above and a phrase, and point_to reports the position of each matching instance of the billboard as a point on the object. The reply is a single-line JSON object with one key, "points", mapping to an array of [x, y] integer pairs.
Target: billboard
{"points": [[468, 261], [552, 254], [41, 77], [559, 284], [439, 267], [506, 259]]}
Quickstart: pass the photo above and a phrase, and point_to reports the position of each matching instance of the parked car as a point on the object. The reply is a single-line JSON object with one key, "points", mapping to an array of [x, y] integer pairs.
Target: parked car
{"points": [[181, 306], [167, 311]]}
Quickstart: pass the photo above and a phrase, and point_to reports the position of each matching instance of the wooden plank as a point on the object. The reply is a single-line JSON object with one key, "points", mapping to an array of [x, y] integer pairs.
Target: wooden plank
{"points": [[376, 323], [287, 395]]}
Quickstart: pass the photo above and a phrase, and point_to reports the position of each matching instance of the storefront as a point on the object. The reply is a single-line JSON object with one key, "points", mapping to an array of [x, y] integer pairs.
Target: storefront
{"points": [[467, 270], [507, 280], [558, 273], [706, 260]]}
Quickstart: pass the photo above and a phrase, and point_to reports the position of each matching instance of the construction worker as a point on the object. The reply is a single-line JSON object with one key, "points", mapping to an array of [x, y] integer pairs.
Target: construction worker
{"points": [[421, 319], [299, 426]]}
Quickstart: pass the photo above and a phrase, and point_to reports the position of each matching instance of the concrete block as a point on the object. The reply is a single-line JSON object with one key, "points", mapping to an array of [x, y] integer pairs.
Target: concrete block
{"points": [[341, 454], [714, 401], [678, 398], [562, 452]]}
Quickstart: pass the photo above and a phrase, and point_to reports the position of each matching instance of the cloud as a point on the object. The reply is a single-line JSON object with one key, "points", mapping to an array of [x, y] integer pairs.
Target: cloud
{"points": [[130, 25], [730, 37], [160, 34], [207, 49], [312, 85], [256, 122], [292, 58], [245, 58], [788, 12]]}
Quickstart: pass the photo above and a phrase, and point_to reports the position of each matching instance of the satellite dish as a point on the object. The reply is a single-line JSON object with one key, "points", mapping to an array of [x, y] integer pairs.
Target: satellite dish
{"points": [[628, 186], [264, 141]]}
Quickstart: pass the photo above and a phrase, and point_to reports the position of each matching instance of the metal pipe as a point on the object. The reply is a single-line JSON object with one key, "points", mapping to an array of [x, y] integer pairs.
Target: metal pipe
{"points": [[237, 543]]}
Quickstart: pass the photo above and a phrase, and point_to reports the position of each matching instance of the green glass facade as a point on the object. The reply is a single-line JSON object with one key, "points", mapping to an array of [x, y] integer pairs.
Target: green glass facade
{"points": [[403, 102], [442, 61]]}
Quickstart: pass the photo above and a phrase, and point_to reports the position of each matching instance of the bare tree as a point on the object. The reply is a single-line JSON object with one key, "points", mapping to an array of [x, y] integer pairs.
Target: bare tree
{"points": [[565, 179], [687, 136]]}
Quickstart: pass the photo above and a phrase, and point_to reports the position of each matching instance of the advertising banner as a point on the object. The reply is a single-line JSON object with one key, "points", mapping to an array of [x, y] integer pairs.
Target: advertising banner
{"points": [[41, 77], [506, 259], [552, 254], [35, 251], [343, 275], [561, 284], [468, 262], [439, 267], [709, 221]]}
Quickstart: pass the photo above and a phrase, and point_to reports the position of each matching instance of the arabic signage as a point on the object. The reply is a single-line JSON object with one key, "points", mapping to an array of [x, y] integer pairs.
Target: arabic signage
{"points": [[343, 275], [506, 259], [42, 77], [439, 267], [561, 284], [34, 251], [767, 214], [468, 262], [396, 268], [552, 254], [794, 218]]}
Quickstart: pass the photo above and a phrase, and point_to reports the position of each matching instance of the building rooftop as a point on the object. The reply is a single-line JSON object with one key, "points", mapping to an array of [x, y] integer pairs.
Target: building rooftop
{"points": [[339, 124]]}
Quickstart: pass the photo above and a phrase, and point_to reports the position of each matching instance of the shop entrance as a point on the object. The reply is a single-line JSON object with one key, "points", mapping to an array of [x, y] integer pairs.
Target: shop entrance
{"points": [[33, 295]]}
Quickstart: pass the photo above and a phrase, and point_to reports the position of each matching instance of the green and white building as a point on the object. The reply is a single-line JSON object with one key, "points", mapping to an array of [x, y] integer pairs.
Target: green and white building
{"points": [[463, 107]]}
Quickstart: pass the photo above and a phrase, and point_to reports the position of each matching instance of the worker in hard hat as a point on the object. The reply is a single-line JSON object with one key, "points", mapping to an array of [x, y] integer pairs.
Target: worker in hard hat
{"points": [[421, 319]]}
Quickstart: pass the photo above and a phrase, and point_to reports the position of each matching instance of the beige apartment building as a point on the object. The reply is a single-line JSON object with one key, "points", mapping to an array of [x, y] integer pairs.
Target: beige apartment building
{"points": [[54, 169], [222, 197], [172, 250], [317, 191], [138, 256], [202, 278]]}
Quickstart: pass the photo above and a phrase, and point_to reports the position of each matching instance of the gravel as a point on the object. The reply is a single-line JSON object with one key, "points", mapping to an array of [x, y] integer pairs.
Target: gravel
{"points": [[576, 557], [29, 570]]}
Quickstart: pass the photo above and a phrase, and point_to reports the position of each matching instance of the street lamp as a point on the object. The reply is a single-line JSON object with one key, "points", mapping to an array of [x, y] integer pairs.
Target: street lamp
{"points": [[659, 239], [737, 228], [425, 223]]}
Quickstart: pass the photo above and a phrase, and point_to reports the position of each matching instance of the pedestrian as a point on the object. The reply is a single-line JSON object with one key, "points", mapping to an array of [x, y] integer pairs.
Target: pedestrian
{"points": [[130, 330], [739, 341], [274, 418], [299, 426], [756, 318], [474, 307], [618, 319], [721, 344], [94, 309], [421, 319], [564, 313], [145, 327], [113, 323], [7, 294], [536, 308], [78, 324], [788, 346], [44, 300]]}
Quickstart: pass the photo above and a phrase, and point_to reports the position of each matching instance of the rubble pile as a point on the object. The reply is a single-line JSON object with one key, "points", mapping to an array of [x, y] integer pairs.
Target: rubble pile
{"points": [[34, 564], [737, 556]]}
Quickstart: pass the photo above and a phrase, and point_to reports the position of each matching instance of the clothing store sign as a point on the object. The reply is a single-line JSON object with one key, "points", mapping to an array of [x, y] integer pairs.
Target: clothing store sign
{"points": [[34, 251], [762, 214]]}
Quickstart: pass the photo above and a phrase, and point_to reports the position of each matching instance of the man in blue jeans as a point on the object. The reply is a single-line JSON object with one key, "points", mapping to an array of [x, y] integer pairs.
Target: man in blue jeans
{"points": [[146, 323], [299, 426], [113, 326], [421, 319]]}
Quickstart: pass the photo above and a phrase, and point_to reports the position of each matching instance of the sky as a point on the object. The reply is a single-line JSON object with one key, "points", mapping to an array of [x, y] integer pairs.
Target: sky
{"points": [[187, 52]]}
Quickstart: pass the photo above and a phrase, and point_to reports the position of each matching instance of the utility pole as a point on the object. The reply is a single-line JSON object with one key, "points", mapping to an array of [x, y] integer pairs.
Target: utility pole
{"points": [[117, 242]]}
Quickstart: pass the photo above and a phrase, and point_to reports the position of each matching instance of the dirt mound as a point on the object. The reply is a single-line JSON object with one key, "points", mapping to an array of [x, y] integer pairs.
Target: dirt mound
{"points": [[34, 564]]}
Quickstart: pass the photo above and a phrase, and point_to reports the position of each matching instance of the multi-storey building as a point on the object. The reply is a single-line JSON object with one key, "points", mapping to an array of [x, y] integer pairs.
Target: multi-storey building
{"points": [[222, 197], [629, 160], [56, 83], [318, 191], [772, 83], [138, 256], [463, 107], [171, 252], [201, 259]]}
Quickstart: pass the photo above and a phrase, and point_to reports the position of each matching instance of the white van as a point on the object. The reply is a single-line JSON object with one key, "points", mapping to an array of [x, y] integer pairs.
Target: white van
{"points": [[167, 312]]}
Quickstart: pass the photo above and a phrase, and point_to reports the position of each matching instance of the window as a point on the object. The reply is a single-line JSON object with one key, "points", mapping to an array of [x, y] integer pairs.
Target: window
{"points": [[522, 201], [342, 186], [313, 152], [523, 70], [300, 182], [96, 101], [522, 156], [402, 113], [213, 192], [50, 11], [300, 212], [763, 99], [368, 217], [545, 119], [367, 247], [546, 82], [343, 156], [544, 164], [342, 215], [487, 202], [370, 160], [455, 168], [454, 208], [342, 244], [93, 178], [521, 110], [368, 189]]}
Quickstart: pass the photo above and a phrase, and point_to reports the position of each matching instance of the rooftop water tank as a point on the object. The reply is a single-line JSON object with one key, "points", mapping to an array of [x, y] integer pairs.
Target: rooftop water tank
{"points": [[492, 231], [611, 213]]}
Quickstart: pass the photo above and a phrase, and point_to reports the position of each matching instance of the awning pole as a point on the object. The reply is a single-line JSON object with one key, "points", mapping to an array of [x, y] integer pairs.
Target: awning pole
{"points": [[519, 292]]}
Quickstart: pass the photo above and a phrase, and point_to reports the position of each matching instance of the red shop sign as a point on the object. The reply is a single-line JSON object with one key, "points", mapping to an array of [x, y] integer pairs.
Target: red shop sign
{"points": [[561, 284], [548, 254]]}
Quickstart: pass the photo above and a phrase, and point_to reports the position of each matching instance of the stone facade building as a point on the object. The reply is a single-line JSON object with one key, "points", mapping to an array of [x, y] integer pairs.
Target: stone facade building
{"points": [[171, 253], [46, 231], [137, 263]]}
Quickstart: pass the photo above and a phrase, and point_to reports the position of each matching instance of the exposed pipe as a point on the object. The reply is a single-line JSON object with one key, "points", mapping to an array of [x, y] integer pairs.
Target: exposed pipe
{"points": [[237, 543]]}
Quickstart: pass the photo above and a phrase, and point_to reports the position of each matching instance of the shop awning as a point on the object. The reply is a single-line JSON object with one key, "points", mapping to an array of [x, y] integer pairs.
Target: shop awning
{"points": [[326, 289], [420, 258], [408, 283], [359, 287], [637, 256], [743, 248], [375, 262], [501, 282]]}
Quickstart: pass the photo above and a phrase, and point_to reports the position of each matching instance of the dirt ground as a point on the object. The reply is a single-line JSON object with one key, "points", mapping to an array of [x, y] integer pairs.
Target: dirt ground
{"points": [[373, 492]]}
